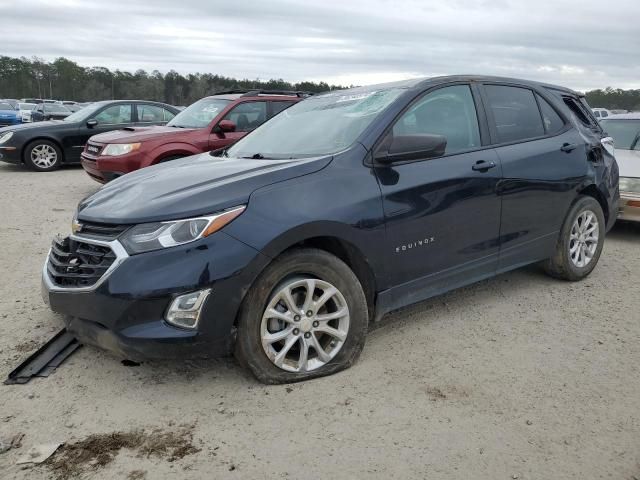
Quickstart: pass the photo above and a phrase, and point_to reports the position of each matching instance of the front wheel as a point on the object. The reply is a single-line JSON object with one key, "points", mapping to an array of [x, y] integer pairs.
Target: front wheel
{"points": [[306, 316], [580, 243], [42, 156]]}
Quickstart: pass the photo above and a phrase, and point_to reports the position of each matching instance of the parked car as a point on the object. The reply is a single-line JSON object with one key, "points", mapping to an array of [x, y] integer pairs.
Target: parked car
{"points": [[31, 100], [45, 146], [25, 110], [344, 207], [625, 130], [8, 114], [600, 113], [11, 101], [49, 111], [211, 123]]}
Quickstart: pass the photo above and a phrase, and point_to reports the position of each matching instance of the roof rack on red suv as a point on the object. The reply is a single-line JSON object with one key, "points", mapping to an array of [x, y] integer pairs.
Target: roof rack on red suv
{"points": [[211, 123], [253, 93]]}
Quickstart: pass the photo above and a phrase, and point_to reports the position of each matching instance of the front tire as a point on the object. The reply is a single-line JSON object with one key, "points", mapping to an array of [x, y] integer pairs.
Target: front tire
{"points": [[580, 243], [43, 156], [305, 317]]}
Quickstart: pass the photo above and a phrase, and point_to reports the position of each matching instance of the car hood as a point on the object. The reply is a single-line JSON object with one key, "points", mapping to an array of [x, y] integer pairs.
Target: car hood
{"points": [[188, 187], [139, 134], [48, 125], [628, 162], [9, 112]]}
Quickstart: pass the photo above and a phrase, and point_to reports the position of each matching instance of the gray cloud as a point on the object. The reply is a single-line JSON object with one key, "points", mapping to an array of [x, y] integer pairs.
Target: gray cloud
{"points": [[579, 44]]}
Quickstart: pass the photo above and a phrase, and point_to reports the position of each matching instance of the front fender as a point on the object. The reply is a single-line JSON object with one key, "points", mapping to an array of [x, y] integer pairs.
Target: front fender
{"points": [[169, 150]]}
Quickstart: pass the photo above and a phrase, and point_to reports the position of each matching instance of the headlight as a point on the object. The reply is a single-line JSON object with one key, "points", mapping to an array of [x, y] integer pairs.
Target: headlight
{"points": [[115, 149], [5, 138], [153, 236], [629, 184]]}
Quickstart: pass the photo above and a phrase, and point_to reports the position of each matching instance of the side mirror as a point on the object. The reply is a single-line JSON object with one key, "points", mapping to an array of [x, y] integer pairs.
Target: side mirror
{"points": [[226, 126], [92, 123], [403, 148]]}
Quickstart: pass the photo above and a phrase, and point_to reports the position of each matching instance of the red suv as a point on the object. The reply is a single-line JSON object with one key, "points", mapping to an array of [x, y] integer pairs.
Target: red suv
{"points": [[208, 124]]}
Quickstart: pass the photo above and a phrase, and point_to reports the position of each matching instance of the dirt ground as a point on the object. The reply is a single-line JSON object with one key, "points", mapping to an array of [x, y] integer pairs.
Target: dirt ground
{"points": [[520, 377]]}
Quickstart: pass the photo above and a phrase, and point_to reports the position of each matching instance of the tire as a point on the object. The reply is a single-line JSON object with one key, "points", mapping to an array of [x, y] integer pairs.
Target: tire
{"points": [[42, 156], [580, 242], [298, 272]]}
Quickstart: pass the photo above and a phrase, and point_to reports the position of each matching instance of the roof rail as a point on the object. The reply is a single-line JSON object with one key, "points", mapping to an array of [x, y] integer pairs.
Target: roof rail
{"points": [[251, 93]]}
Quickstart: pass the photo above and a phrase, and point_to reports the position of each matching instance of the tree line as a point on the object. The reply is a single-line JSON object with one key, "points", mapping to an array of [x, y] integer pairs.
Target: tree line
{"points": [[615, 98], [64, 79]]}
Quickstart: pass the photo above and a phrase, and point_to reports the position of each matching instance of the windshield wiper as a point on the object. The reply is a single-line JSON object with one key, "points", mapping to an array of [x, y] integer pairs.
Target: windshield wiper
{"points": [[257, 156]]}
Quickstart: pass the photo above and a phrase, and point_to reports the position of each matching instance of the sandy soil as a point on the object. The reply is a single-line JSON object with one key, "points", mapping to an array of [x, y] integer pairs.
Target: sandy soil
{"points": [[520, 377]]}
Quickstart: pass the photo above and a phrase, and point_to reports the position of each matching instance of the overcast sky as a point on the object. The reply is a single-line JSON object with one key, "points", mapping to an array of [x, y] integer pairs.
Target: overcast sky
{"points": [[581, 44]]}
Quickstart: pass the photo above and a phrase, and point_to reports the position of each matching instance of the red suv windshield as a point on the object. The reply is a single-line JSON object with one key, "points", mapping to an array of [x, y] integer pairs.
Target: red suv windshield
{"points": [[199, 114]]}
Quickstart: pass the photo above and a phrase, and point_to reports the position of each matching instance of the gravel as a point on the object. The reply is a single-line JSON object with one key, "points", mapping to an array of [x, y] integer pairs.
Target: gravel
{"points": [[521, 376]]}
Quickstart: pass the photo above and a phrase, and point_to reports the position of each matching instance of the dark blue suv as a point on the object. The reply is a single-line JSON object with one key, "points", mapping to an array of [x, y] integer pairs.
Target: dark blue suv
{"points": [[345, 206]]}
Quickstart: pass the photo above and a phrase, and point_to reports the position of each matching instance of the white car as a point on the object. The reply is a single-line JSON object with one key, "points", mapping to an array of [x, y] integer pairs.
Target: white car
{"points": [[625, 130], [601, 113], [25, 111]]}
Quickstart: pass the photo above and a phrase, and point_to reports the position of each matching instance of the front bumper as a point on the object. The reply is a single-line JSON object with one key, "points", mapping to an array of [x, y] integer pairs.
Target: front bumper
{"points": [[124, 312], [629, 207], [10, 154], [104, 169], [5, 122]]}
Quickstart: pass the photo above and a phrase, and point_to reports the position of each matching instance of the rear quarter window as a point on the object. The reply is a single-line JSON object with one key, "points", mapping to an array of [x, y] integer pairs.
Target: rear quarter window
{"points": [[581, 112]]}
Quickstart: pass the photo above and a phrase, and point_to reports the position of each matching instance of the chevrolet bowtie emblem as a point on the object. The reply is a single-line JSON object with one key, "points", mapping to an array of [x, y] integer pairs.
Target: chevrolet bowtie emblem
{"points": [[76, 226]]}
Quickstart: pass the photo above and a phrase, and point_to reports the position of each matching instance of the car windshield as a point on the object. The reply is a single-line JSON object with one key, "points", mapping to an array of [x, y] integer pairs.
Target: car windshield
{"points": [[199, 114], [6, 106], [84, 113], [319, 125], [625, 133], [27, 106], [53, 107]]}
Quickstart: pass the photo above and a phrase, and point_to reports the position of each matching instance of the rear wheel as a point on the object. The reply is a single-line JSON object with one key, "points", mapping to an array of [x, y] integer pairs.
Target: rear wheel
{"points": [[580, 243], [42, 156], [306, 316]]}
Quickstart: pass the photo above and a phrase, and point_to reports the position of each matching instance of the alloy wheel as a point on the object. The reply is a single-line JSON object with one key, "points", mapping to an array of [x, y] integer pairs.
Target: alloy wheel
{"points": [[583, 239], [44, 156], [305, 325]]}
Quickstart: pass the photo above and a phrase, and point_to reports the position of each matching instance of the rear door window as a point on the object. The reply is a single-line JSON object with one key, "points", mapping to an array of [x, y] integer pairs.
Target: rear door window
{"points": [[553, 123], [516, 116], [277, 107], [115, 115], [150, 113]]}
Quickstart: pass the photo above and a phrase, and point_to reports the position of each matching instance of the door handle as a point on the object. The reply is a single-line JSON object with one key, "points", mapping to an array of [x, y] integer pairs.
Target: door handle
{"points": [[568, 147], [483, 166]]}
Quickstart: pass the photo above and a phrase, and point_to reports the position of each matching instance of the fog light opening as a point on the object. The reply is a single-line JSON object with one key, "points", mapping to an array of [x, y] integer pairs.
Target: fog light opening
{"points": [[184, 311]]}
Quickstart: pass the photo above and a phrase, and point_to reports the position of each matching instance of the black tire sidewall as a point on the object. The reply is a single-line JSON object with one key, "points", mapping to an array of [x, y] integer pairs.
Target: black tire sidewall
{"points": [[313, 263], [34, 144], [574, 272]]}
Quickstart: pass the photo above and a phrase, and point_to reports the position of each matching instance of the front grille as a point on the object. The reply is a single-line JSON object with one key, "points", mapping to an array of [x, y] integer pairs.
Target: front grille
{"points": [[103, 230], [93, 149], [73, 263]]}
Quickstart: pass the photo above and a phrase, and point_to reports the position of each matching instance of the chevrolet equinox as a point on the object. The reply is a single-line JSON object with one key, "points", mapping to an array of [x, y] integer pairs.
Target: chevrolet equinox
{"points": [[348, 205]]}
